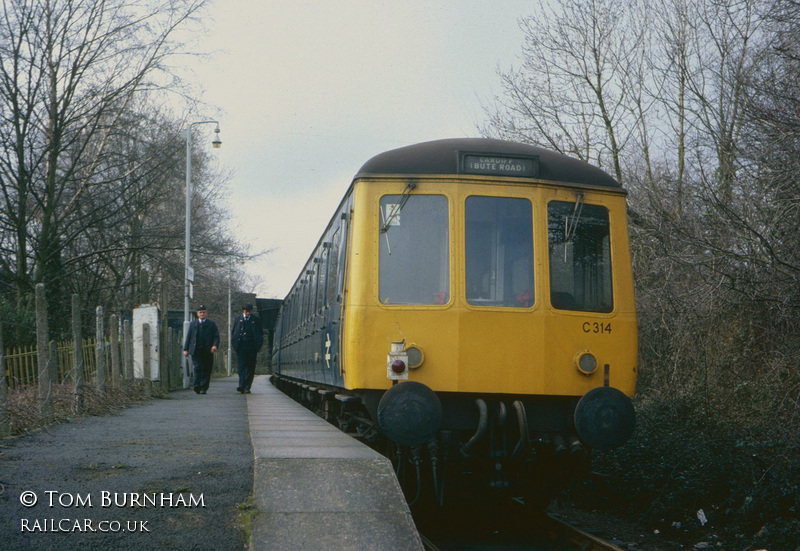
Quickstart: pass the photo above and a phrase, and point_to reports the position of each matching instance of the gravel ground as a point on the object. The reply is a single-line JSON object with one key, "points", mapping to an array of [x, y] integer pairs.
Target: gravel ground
{"points": [[94, 479]]}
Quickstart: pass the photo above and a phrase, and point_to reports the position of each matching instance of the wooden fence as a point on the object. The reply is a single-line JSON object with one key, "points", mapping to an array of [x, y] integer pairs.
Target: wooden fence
{"points": [[109, 362], [22, 362]]}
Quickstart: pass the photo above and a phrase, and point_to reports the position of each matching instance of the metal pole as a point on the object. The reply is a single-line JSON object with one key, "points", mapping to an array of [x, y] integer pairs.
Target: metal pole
{"points": [[186, 318], [187, 259], [230, 275]]}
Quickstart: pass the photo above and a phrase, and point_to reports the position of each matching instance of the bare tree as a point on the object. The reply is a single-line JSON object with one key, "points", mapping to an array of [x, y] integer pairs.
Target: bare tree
{"points": [[70, 72], [669, 53], [729, 45], [572, 92], [706, 131], [22, 150]]}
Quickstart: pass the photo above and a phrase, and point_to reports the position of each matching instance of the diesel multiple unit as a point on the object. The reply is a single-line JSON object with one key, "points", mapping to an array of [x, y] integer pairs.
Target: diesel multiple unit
{"points": [[469, 310]]}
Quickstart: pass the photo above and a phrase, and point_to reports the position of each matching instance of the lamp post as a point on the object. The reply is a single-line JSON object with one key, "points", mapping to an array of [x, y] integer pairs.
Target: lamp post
{"points": [[230, 277], [188, 275]]}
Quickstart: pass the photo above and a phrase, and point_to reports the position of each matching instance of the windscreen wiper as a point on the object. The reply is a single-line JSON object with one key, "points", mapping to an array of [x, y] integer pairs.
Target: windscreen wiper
{"points": [[387, 220], [571, 223]]}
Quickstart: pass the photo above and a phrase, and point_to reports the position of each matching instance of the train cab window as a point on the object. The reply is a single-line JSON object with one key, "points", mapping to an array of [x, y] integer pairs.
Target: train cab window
{"points": [[499, 251], [414, 249], [580, 257]]}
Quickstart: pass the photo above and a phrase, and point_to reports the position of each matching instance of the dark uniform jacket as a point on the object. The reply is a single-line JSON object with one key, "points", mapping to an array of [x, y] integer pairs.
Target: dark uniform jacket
{"points": [[251, 331], [208, 338]]}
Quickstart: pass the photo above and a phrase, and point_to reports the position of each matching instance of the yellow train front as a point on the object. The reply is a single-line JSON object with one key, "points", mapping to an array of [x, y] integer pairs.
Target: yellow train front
{"points": [[470, 310]]}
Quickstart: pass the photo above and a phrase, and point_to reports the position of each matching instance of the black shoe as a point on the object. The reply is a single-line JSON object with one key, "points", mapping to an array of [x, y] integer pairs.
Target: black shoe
{"points": [[247, 391], [240, 390], [202, 392], [197, 390]]}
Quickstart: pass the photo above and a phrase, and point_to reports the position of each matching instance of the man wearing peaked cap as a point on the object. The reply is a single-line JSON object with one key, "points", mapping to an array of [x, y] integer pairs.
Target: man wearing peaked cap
{"points": [[247, 338], [201, 341]]}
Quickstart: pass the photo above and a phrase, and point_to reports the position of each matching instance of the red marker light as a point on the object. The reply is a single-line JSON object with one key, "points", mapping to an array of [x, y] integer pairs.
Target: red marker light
{"points": [[398, 366]]}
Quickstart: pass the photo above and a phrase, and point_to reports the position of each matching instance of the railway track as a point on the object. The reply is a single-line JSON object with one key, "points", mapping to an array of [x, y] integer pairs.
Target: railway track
{"points": [[580, 539], [548, 534]]}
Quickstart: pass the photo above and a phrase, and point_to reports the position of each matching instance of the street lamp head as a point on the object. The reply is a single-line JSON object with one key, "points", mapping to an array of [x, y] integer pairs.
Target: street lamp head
{"points": [[217, 143]]}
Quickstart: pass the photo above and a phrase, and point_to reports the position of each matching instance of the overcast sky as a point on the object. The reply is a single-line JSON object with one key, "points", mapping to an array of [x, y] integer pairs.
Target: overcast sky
{"points": [[308, 91]]}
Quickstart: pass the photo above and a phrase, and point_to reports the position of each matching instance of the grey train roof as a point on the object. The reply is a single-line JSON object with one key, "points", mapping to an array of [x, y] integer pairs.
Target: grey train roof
{"points": [[443, 157]]}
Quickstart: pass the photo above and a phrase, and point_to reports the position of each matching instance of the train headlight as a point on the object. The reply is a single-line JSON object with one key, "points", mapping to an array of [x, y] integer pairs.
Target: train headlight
{"points": [[415, 356], [586, 362]]}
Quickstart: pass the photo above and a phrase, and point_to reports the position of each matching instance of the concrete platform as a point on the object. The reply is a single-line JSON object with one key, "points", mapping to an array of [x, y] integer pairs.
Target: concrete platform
{"points": [[317, 488]]}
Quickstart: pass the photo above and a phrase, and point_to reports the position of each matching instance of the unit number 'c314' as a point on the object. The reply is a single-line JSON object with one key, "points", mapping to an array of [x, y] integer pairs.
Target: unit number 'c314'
{"points": [[596, 327]]}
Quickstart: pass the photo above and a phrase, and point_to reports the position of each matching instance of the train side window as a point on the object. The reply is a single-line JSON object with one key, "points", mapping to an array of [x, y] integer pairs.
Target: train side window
{"points": [[301, 318], [297, 312], [414, 249], [308, 293], [345, 217], [319, 268], [333, 266], [290, 314], [499, 251], [313, 281], [580, 257]]}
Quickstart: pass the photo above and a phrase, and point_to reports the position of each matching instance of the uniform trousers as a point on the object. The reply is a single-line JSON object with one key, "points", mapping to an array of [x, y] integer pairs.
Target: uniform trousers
{"points": [[246, 364], [203, 361]]}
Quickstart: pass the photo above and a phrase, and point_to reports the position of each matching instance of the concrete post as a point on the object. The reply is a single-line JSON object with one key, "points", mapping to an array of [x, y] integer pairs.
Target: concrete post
{"points": [[42, 331], [127, 349], [78, 405], [163, 354], [5, 422], [146, 350], [177, 358], [52, 362], [100, 351], [167, 355], [115, 359]]}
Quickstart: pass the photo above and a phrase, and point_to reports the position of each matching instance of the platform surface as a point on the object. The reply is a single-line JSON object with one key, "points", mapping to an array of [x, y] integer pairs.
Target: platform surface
{"points": [[201, 457], [317, 488]]}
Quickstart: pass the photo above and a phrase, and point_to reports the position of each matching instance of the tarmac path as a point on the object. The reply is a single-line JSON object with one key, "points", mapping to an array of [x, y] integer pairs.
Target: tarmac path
{"points": [[167, 475]]}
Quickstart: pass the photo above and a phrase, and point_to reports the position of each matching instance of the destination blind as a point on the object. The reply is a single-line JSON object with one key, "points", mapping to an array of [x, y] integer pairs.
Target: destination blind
{"points": [[500, 166]]}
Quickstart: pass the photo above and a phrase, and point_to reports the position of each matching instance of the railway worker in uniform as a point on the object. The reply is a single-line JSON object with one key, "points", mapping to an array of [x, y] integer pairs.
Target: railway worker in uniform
{"points": [[247, 338], [201, 342]]}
